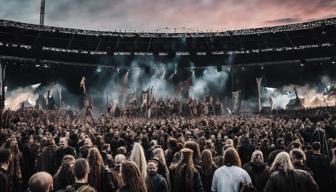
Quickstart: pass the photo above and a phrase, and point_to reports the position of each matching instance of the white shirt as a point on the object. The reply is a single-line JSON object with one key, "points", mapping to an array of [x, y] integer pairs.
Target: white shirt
{"points": [[228, 178]]}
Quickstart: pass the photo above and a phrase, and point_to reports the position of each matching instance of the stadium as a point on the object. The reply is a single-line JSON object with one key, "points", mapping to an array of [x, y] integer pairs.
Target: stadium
{"points": [[169, 109]]}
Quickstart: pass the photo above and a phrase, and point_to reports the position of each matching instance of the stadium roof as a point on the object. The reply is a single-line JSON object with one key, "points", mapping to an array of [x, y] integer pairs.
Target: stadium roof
{"points": [[29, 42]]}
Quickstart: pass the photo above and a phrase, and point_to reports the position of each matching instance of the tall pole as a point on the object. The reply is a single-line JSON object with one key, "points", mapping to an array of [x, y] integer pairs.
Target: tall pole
{"points": [[2, 82], [42, 12]]}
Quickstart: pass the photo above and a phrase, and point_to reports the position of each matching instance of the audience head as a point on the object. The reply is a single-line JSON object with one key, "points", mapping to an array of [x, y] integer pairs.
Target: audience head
{"points": [[194, 147], [316, 146], [257, 157], [231, 157], [282, 162], [81, 169], [64, 142], [152, 166], [297, 155], [88, 143], [5, 156], [119, 159], [40, 182], [131, 177]]}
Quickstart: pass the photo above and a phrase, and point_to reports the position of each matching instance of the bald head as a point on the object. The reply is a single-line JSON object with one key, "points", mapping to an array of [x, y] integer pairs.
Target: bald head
{"points": [[41, 182]]}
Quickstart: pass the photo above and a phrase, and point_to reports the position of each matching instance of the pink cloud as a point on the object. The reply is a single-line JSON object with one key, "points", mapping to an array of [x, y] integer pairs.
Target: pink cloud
{"points": [[154, 14]]}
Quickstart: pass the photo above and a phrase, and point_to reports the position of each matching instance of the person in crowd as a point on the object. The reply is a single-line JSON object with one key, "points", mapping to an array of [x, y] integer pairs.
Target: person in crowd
{"points": [[64, 175], [106, 155], [245, 149], [298, 158], [279, 147], [196, 151], [40, 182], [64, 149], [258, 170], [117, 142], [81, 171], [14, 169], [46, 159], [116, 176], [99, 177], [229, 177], [84, 150], [138, 157], [171, 150], [285, 178], [132, 178], [158, 156], [207, 170], [6, 183], [154, 181], [319, 164], [184, 175], [333, 164]]}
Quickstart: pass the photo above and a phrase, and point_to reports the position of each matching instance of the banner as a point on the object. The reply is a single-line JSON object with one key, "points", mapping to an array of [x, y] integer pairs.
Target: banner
{"points": [[184, 85], [236, 101], [271, 102], [145, 97], [1, 80], [259, 93], [82, 85]]}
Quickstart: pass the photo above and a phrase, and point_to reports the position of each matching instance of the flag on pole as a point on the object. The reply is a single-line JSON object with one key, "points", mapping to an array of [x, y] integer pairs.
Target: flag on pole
{"points": [[184, 85], [82, 84], [259, 93], [271, 102], [236, 101]]}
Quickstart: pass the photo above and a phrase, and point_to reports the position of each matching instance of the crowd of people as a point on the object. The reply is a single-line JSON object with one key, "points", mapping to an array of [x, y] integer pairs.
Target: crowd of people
{"points": [[59, 150]]}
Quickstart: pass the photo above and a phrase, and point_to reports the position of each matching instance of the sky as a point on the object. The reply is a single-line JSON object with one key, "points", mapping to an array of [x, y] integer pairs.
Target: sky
{"points": [[166, 15]]}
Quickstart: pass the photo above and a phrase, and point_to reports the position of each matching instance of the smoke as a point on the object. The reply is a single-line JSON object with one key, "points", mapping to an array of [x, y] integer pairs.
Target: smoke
{"points": [[145, 73], [26, 95], [210, 82], [29, 94], [312, 95]]}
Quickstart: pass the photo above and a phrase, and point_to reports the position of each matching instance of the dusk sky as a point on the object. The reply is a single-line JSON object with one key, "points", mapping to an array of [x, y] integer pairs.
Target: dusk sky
{"points": [[155, 15]]}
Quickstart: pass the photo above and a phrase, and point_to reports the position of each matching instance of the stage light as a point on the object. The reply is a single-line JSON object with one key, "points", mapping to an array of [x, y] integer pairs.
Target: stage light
{"points": [[302, 62], [99, 69]]}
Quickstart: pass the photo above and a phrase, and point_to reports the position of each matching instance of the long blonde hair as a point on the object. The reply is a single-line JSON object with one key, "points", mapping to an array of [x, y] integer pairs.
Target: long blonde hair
{"points": [[282, 162], [139, 158], [159, 154]]}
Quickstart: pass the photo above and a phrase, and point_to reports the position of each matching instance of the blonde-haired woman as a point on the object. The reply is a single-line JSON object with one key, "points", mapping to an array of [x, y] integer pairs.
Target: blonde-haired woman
{"points": [[285, 178], [139, 158]]}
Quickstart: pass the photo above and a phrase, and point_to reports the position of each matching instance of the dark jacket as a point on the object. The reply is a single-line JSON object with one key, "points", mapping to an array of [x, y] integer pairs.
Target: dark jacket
{"points": [[259, 174], [60, 153], [156, 183], [181, 180], [105, 183], [207, 177], [63, 179], [295, 181], [5, 182], [320, 166], [46, 161]]}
